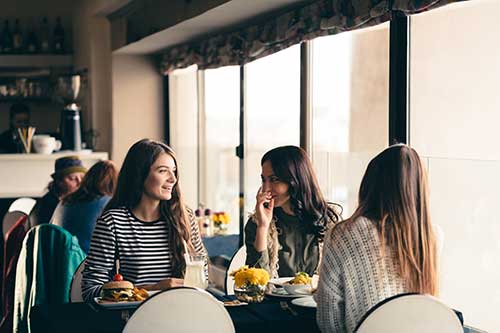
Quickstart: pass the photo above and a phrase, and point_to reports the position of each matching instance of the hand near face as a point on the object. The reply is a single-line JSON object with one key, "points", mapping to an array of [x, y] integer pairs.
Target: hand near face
{"points": [[264, 209]]}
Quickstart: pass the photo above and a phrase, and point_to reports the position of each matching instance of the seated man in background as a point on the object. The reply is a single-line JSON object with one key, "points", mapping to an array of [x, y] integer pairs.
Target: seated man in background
{"points": [[67, 177], [19, 117]]}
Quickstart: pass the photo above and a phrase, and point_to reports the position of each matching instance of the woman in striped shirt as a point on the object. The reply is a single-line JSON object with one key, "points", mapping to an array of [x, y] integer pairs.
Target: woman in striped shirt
{"points": [[144, 227]]}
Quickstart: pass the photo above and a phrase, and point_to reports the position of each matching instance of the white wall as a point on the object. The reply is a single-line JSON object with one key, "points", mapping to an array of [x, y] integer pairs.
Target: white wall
{"points": [[137, 103], [454, 106], [92, 51]]}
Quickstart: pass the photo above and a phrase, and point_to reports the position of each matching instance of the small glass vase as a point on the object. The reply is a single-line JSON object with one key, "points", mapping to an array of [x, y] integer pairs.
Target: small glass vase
{"points": [[250, 294], [220, 229]]}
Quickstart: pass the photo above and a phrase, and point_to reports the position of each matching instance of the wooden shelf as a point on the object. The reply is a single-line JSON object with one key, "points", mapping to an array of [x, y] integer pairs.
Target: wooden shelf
{"points": [[15, 99], [35, 60]]}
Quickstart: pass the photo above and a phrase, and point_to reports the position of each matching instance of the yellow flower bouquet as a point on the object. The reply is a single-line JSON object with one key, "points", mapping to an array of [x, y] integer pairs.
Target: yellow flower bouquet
{"points": [[250, 283], [221, 221]]}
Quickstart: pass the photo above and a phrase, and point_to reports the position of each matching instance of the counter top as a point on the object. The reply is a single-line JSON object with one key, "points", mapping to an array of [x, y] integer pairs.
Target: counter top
{"points": [[83, 155], [27, 175]]}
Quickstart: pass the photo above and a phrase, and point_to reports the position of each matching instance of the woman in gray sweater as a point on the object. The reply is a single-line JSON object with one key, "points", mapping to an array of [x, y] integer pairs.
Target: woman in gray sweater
{"points": [[387, 247]]}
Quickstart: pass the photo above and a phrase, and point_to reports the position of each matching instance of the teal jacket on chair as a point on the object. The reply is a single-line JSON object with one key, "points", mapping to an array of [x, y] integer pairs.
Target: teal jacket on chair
{"points": [[49, 257]]}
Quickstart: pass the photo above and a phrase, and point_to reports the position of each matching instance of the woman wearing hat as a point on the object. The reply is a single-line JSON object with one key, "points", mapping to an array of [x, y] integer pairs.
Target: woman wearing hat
{"points": [[66, 179]]}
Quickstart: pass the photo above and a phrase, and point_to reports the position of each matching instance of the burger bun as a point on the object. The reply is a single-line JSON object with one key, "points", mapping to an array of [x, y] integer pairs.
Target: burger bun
{"points": [[118, 285]]}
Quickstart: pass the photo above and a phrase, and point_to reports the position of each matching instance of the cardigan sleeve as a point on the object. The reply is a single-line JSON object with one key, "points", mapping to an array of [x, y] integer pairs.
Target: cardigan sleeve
{"points": [[255, 258], [330, 313]]}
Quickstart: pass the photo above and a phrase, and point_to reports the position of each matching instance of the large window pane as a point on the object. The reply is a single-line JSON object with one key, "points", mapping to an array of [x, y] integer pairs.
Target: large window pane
{"points": [[184, 132], [454, 105], [272, 111], [350, 109], [219, 129]]}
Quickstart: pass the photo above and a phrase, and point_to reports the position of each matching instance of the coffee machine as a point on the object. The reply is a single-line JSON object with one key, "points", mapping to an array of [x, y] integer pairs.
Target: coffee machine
{"points": [[67, 91]]}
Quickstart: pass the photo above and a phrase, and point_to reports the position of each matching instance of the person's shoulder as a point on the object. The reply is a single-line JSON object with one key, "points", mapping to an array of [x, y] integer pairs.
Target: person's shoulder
{"points": [[115, 213], [351, 229], [49, 197], [189, 212], [250, 226], [103, 199]]}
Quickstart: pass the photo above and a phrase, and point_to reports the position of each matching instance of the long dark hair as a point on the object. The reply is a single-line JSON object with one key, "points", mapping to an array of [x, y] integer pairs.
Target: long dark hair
{"points": [[292, 166], [130, 187], [98, 181], [56, 186], [394, 195]]}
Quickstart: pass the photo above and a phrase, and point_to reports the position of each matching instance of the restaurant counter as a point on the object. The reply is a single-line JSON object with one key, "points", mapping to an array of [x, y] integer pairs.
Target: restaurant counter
{"points": [[27, 175]]}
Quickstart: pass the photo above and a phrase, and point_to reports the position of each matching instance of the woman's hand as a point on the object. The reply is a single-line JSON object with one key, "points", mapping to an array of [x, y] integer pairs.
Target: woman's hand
{"points": [[164, 284], [262, 218], [264, 209]]}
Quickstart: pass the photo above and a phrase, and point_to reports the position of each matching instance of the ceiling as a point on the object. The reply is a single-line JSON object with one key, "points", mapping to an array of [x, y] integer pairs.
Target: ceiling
{"points": [[228, 15]]}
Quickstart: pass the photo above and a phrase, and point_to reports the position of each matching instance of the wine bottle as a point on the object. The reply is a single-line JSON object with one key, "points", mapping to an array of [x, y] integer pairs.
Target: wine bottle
{"points": [[17, 38], [44, 36], [58, 37], [31, 41], [6, 38]]}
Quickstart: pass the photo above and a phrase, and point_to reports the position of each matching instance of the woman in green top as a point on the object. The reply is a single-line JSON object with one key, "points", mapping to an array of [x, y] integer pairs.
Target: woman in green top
{"points": [[285, 233]]}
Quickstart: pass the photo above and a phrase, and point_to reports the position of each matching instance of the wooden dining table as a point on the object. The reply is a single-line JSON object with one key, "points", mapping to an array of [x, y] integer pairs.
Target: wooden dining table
{"points": [[272, 315]]}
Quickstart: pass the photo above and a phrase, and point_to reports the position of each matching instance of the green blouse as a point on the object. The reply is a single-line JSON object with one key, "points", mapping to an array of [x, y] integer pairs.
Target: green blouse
{"points": [[298, 246]]}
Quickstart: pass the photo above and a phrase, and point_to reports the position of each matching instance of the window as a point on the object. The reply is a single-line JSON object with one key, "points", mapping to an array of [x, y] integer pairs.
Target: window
{"points": [[454, 117], [272, 111], [219, 131], [350, 109], [184, 131]]}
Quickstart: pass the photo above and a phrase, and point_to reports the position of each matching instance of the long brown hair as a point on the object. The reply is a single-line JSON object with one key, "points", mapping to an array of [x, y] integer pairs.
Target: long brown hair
{"points": [[98, 181], [135, 169], [292, 166], [394, 195]]}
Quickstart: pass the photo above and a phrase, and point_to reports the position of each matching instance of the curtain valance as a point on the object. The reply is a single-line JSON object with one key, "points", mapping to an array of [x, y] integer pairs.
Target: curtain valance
{"points": [[321, 18]]}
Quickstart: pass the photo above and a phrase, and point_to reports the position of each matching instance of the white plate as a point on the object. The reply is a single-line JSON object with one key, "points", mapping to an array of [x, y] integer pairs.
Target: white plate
{"points": [[152, 292], [281, 280], [281, 292], [307, 302], [116, 305], [122, 305], [233, 303]]}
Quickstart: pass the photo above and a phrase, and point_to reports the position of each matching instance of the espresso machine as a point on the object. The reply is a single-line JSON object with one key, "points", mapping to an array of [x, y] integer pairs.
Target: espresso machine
{"points": [[67, 91]]}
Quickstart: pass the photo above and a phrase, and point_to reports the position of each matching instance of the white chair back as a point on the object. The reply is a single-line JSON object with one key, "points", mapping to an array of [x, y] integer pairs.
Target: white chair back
{"points": [[410, 313], [236, 262], [24, 205], [9, 219], [183, 310], [75, 291]]}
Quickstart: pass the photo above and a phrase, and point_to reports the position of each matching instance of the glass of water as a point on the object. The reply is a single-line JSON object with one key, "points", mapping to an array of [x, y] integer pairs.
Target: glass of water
{"points": [[195, 272]]}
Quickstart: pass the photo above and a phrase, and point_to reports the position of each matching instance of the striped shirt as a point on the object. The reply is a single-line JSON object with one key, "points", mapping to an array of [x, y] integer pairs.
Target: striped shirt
{"points": [[143, 248]]}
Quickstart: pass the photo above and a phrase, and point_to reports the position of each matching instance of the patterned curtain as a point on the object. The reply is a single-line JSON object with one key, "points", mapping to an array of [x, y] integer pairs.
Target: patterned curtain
{"points": [[417, 6], [321, 18]]}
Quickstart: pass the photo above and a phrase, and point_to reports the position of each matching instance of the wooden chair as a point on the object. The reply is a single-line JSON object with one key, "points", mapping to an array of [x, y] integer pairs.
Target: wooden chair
{"points": [[410, 313], [236, 262], [183, 310], [24, 205], [75, 291]]}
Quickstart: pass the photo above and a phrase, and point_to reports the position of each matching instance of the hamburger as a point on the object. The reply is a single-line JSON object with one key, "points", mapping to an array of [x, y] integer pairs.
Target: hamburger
{"points": [[117, 291]]}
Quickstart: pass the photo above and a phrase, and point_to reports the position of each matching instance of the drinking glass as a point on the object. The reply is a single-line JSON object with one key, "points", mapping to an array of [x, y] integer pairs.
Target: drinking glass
{"points": [[195, 272]]}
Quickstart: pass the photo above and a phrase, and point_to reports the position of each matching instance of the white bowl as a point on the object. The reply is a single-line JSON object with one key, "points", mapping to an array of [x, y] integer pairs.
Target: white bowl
{"points": [[298, 289]]}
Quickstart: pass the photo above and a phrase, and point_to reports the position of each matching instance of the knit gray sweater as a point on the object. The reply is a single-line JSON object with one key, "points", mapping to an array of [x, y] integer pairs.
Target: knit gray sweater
{"points": [[353, 276]]}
